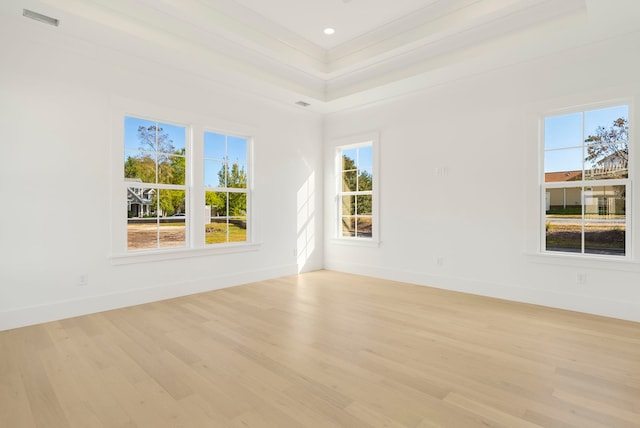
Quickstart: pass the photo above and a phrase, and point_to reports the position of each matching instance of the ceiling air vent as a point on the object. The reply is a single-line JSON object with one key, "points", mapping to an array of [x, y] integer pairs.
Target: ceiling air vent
{"points": [[40, 17], [302, 104]]}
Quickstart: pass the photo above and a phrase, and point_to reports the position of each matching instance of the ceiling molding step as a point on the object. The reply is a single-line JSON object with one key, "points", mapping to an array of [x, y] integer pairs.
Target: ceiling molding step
{"points": [[447, 27], [406, 24], [193, 19], [405, 63]]}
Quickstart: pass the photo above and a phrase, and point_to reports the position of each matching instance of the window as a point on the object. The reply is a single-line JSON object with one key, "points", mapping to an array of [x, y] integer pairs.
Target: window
{"points": [[356, 196], [155, 165], [180, 188], [225, 182], [586, 182]]}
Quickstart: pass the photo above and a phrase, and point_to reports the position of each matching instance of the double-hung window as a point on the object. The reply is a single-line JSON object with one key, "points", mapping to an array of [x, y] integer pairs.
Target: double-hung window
{"points": [[225, 182], [586, 186], [155, 177], [356, 191], [182, 188]]}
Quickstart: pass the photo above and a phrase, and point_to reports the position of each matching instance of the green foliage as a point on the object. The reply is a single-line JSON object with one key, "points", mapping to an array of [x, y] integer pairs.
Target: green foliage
{"points": [[353, 180], [218, 202], [230, 203], [142, 167]]}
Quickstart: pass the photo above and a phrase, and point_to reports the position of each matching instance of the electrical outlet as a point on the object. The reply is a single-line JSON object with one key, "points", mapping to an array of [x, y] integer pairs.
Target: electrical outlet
{"points": [[440, 261], [582, 278]]}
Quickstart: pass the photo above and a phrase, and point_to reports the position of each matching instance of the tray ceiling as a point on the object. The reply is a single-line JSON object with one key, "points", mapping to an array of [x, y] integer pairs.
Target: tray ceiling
{"points": [[381, 48]]}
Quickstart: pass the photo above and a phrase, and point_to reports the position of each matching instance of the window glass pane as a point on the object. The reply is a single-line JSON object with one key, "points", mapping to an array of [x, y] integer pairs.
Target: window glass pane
{"points": [[238, 229], [136, 133], [349, 181], [363, 203], [606, 161], [563, 220], [214, 174], [215, 217], [563, 131], [365, 157], [605, 220], [348, 226], [214, 146], [363, 227], [606, 118], [172, 225], [225, 214], [237, 204], [237, 150], [142, 223], [365, 180], [563, 165], [216, 231], [607, 135], [171, 138], [140, 166], [215, 204], [348, 205], [349, 159], [237, 177], [171, 202], [171, 169]]}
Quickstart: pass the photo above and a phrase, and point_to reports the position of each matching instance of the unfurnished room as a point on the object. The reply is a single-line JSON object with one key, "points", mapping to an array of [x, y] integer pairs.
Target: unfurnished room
{"points": [[319, 213]]}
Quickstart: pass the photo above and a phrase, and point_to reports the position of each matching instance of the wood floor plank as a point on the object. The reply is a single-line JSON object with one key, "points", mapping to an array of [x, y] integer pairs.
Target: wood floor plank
{"points": [[324, 349], [14, 403]]}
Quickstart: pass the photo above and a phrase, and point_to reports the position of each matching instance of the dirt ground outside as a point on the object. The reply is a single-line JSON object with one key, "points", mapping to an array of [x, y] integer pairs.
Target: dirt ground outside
{"points": [[145, 236], [598, 239]]}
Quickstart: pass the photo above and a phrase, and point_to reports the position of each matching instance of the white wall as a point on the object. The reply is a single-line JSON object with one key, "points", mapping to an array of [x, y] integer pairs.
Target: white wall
{"points": [[481, 218], [56, 120]]}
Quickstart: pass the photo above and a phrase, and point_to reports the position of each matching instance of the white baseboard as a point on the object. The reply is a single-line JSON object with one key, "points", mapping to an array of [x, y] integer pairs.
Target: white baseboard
{"points": [[30, 315], [573, 302]]}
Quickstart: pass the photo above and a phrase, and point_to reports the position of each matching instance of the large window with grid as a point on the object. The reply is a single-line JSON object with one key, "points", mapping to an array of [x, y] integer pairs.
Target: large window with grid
{"points": [[180, 187], [155, 176], [356, 192], [226, 191], [586, 185]]}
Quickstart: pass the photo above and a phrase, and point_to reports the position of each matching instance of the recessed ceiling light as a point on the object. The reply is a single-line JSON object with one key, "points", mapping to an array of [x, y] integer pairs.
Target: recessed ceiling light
{"points": [[329, 31]]}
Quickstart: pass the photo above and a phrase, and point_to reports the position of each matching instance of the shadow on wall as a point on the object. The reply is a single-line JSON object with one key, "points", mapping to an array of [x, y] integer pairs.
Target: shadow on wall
{"points": [[306, 222]]}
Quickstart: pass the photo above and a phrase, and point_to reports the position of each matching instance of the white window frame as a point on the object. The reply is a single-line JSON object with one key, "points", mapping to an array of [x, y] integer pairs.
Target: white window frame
{"points": [[341, 144], [583, 183], [196, 126]]}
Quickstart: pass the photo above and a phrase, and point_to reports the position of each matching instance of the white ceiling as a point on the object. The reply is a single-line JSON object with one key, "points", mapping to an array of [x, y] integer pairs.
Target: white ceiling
{"points": [[350, 18], [381, 48]]}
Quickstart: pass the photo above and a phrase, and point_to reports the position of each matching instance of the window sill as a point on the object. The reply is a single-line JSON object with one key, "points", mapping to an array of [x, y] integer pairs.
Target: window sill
{"points": [[585, 261], [182, 253], [356, 242]]}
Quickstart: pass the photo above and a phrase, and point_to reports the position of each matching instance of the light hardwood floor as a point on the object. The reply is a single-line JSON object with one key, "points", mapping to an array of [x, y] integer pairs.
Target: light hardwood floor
{"points": [[323, 349]]}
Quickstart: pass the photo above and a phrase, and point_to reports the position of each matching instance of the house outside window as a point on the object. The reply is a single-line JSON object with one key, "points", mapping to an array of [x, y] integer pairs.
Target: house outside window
{"points": [[586, 182]]}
